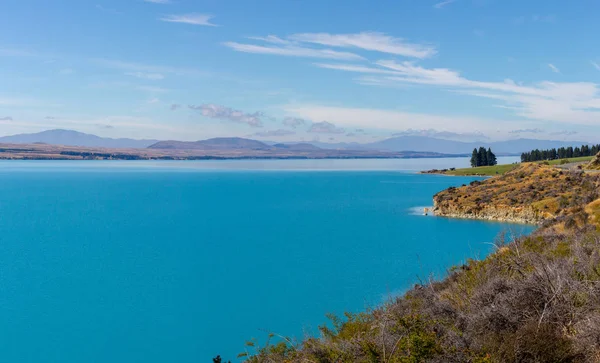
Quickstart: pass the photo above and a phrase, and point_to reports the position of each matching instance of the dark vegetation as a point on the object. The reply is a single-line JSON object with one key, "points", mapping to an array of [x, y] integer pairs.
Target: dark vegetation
{"points": [[561, 153], [535, 299], [483, 157]]}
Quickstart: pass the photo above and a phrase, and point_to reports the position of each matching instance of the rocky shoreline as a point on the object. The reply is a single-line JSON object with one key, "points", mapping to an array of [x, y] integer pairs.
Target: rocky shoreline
{"points": [[492, 213]]}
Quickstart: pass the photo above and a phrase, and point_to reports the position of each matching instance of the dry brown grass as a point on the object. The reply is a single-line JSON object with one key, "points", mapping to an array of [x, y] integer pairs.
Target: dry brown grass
{"points": [[537, 191]]}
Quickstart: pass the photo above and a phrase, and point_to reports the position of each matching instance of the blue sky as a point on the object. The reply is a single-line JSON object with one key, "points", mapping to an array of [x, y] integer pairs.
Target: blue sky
{"points": [[295, 70]]}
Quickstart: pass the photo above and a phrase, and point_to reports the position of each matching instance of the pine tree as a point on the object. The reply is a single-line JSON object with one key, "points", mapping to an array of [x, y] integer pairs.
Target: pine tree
{"points": [[482, 157], [474, 159], [491, 158]]}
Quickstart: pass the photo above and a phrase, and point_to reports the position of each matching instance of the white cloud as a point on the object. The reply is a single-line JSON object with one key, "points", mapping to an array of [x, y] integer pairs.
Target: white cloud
{"points": [[293, 122], [576, 102], [446, 135], [153, 100], [393, 120], [292, 51], [193, 19], [145, 75], [226, 113], [553, 68], [158, 1], [271, 39], [596, 65], [372, 41], [443, 3], [325, 128]]}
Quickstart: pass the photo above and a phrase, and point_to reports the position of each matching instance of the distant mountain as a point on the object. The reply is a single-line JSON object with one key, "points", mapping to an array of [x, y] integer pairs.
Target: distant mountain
{"points": [[218, 143], [230, 143], [423, 143], [417, 144], [75, 138]]}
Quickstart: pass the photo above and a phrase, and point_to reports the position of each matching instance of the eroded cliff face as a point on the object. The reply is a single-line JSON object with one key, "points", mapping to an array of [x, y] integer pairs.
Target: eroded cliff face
{"points": [[532, 193], [493, 213]]}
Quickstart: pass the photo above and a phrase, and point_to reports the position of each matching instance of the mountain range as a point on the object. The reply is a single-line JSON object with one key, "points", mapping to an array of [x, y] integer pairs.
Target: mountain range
{"points": [[395, 144], [75, 138]]}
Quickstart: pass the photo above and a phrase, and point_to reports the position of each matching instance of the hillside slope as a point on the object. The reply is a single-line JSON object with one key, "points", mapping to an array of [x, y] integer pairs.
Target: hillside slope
{"points": [[531, 193]]}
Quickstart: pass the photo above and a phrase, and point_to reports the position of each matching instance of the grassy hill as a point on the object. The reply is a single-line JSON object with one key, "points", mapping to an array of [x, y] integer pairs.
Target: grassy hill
{"points": [[535, 299], [504, 168]]}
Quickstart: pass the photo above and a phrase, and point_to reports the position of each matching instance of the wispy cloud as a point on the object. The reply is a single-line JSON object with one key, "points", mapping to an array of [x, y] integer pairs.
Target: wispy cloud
{"points": [[292, 51], [596, 65], [6, 118], [575, 102], [527, 131], [441, 134], [158, 1], [146, 75], [564, 133], [271, 39], [175, 107], [293, 122], [307, 45], [279, 132], [226, 113], [325, 128], [443, 3], [193, 19], [372, 41], [553, 68], [382, 119]]}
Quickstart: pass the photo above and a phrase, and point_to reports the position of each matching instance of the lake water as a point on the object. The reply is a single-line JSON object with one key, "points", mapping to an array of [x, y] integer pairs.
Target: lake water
{"points": [[181, 261]]}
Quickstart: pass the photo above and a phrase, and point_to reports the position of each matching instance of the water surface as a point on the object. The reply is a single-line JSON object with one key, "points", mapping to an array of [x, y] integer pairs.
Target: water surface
{"points": [[179, 262]]}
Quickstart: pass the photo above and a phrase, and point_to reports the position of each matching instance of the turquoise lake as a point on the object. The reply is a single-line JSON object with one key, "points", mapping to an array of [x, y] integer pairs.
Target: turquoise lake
{"points": [[180, 261]]}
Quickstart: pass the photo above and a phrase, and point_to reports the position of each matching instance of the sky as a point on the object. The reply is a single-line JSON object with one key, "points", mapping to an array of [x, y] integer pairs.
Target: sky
{"points": [[292, 70]]}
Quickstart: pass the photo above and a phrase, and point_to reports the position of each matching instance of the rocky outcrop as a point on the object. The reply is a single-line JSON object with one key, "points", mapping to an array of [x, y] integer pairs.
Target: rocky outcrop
{"points": [[527, 215]]}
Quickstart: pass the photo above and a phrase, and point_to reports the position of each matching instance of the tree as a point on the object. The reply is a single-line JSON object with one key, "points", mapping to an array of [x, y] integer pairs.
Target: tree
{"points": [[474, 158], [482, 157], [491, 158]]}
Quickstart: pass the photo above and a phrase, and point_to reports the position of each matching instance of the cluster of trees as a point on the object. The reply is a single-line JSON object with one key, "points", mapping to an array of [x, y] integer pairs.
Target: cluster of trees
{"points": [[483, 157], [561, 153]]}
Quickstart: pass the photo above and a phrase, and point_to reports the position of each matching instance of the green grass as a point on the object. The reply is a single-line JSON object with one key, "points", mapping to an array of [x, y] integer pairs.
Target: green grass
{"points": [[571, 160], [501, 169], [483, 170]]}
